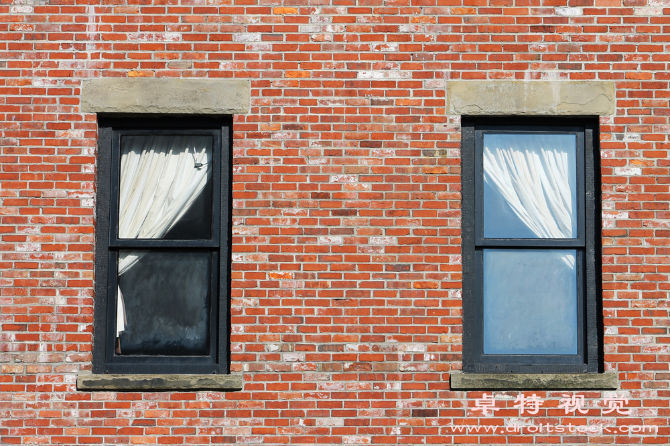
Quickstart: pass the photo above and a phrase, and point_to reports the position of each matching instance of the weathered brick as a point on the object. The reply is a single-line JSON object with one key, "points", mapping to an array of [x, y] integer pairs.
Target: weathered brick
{"points": [[346, 271]]}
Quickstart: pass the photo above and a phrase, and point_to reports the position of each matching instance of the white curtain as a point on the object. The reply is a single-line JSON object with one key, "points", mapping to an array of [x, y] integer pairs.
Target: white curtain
{"points": [[534, 178], [161, 177]]}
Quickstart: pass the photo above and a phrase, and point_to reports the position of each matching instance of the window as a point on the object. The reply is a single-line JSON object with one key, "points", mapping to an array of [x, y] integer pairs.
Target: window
{"points": [[162, 255], [530, 246]]}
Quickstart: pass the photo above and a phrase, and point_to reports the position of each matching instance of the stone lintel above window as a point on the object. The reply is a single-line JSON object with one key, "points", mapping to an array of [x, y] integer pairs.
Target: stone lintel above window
{"points": [[166, 96], [530, 98]]}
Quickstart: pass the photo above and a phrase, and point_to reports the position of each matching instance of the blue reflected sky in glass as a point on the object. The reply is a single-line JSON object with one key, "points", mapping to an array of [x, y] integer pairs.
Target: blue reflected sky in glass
{"points": [[530, 302], [500, 220]]}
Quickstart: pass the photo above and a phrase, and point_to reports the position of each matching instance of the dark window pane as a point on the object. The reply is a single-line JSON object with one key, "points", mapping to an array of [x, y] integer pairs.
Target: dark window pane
{"points": [[196, 223], [530, 185], [165, 189], [530, 302], [163, 303]]}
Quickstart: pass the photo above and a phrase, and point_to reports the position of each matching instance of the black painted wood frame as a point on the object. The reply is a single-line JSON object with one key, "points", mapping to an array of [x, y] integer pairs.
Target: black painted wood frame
{"points": [[587, 243], [108, 244]]}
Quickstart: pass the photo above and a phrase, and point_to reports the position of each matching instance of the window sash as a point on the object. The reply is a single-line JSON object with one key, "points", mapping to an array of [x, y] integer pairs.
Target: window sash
{"points": [[577, 359], [480, 240], [117, 242], [148, 363]]}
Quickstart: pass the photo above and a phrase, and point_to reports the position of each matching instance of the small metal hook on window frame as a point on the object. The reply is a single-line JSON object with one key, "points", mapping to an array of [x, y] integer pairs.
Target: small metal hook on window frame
{"points": [[196, 164]]}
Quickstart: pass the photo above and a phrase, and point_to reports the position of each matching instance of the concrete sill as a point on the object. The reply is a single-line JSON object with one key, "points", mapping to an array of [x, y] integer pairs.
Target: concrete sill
{"points": [[547, 381], [157, 383]]}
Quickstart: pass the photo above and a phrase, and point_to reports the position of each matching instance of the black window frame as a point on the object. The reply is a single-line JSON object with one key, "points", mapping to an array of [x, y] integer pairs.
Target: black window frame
{"points": [[587, 244], [110, 131]]}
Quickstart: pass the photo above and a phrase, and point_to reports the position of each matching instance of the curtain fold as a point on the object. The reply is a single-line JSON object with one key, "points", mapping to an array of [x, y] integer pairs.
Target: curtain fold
{"points": [[534, 179], [161, 177]]}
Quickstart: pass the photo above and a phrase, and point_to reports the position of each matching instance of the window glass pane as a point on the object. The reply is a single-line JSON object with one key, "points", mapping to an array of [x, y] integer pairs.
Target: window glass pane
{"points": [[530, 185], [530, 302], [163, 303], [165, 189]]}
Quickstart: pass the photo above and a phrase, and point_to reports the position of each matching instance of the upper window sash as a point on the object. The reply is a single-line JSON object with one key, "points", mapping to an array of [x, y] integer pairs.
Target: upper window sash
{"points": [[479, 135], [117, 242]]}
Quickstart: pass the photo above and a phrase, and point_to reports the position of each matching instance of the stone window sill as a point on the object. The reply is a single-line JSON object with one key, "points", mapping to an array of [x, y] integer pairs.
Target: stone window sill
{"points": [[548, 381], [157, 383]]}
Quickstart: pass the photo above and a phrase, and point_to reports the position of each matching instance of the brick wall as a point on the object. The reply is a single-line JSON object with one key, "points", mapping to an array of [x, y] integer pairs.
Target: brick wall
{"points": [[346, 292]]}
